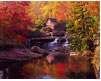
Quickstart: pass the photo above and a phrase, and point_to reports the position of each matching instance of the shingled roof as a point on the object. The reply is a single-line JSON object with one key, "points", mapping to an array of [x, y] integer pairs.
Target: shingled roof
{"points": [[53, 19]]}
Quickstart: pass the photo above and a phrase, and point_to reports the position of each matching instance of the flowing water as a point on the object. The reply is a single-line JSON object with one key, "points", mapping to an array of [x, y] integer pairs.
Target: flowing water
{"points": [[65, 44], [57, 65]]}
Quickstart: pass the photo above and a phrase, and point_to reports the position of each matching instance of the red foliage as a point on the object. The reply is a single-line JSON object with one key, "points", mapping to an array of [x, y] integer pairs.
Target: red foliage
{"points": [[13, 17], [61, 70], [21, 38]]}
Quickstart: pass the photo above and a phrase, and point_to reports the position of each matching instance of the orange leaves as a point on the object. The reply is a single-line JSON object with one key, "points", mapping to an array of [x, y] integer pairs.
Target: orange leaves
{"points": [[92, 6], [65, 9], [61, 10]]}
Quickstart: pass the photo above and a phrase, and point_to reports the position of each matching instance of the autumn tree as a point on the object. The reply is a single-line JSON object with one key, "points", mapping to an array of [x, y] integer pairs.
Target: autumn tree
{"points": [[49, 9], [13, 21], [34, 11], [83, 27]]}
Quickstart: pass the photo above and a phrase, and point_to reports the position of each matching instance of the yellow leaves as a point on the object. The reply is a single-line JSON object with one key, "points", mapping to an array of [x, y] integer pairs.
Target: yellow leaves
{"points": [[86, 13], [34, 10], [49, 9], [63, 9], [92, 30], [77, 14], [84, 9], [32, 29], [77, 22], [84, 39]]}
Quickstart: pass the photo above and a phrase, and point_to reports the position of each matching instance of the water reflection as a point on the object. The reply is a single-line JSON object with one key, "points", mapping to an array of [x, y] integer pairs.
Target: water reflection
{"points": [[1, 74], [46, 77], [71, 68], [57, 65]]}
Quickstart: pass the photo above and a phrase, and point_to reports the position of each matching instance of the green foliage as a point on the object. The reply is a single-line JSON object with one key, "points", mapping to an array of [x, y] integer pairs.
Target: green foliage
{"points": [[82, 30], [39, 23]]}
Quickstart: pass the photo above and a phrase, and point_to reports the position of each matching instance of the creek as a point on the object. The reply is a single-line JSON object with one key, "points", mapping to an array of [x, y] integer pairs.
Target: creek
{"points": [[57, 65]]}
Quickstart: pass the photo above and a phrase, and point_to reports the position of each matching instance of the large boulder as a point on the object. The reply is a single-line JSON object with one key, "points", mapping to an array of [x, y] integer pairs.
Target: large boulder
{"points": [[58, 33], [61, 49], [39, 50]]}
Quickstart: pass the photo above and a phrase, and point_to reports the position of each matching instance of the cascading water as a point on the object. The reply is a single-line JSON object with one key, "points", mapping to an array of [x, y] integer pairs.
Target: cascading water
{"points": [[65, 44], [56, 43], [52, 46], [53, 43]]}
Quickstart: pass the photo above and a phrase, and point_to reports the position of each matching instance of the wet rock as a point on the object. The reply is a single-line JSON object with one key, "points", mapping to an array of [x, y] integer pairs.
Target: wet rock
{"points": [[39, 50], [18, 55], [61, 40], [58, 33], [61, 49], [43, 39], [74, 54], [6, 47]]}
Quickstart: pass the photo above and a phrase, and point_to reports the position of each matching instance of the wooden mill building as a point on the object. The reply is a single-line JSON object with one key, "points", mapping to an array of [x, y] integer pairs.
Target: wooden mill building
{"points": [[51, 22]]}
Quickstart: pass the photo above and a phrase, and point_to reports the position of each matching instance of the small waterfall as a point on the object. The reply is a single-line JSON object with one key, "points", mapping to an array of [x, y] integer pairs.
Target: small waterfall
{"points": [[53, 43], [58, 43], [65, 44]]}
